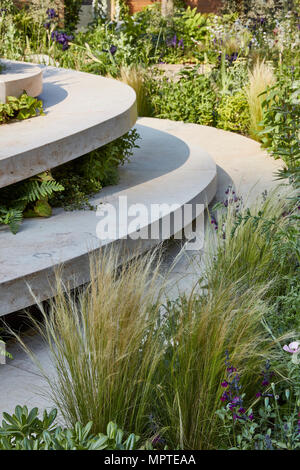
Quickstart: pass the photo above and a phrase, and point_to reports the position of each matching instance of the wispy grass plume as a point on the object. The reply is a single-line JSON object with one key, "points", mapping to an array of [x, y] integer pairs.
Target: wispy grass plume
{"points": [[260, 78]]}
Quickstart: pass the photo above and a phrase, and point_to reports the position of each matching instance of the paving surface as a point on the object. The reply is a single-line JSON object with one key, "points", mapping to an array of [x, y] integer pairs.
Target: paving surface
{"points": [[240, 162]]}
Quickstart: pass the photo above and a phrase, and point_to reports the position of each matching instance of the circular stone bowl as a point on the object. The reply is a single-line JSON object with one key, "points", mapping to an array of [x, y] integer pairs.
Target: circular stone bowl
{"points": [[17, 77]]}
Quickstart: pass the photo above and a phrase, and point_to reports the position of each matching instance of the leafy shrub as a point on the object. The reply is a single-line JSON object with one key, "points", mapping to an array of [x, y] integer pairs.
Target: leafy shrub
{"points": [[191, 99], [71, 13], [20, 108], [233, 113], [24, 430], [191, 25], [280, 123], [87, 174]]}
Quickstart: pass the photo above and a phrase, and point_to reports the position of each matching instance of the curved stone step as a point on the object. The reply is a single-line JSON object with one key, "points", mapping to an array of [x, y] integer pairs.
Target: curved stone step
{"points": [[17, 77], [166, 169], [82, 112]]}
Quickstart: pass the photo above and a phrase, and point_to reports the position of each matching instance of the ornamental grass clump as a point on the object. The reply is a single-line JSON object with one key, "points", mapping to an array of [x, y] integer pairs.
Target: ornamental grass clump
{"points": [[135, 76], [203, 328], [103, 343], [260, 78], [253, 245]]}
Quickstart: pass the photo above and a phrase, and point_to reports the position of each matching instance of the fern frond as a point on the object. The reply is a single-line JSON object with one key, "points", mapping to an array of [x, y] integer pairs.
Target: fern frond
{"points": [[34, 190]]}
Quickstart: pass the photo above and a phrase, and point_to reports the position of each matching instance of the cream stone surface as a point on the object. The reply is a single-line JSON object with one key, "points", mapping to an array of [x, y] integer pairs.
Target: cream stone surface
{"points": [[17, 77]]}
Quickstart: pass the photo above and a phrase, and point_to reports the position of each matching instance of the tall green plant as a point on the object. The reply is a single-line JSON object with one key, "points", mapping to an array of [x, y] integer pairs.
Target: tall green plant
{"points": [[281, 119]]}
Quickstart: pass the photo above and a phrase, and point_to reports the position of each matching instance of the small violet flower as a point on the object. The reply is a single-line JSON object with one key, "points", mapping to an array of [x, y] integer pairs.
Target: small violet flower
{"points": [[51, 13], [113, 50], [292, 348]]}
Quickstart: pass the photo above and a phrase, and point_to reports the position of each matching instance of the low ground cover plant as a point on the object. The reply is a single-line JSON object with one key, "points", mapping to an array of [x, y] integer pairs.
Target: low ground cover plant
{"points": [[20, 108], [24, 430]]}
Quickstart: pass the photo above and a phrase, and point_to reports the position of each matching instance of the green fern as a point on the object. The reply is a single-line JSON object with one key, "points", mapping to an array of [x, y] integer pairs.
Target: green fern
{"points": [[12, 218], [36, 189], [28, 198]]}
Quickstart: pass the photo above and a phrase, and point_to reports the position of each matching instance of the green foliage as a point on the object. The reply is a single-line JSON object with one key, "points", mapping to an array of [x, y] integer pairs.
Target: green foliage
{"points": [[28, 198], [167, 366], [199, 329], [20, 108], [191, 25], [252, 8], [281, 118], [233, 113], [24, 430], [191, 99], [116, 380], [72, 11], [69, 185], [124, 10], [260, 245], [86, 175]]}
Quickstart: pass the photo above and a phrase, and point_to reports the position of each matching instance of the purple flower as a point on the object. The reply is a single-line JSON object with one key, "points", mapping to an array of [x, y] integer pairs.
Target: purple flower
{"points": [[51, 13], [292, 348], [173, 41], [267, 374], [113, 50], [180, 43], [62, 38], [158, 440], [224, 384]]}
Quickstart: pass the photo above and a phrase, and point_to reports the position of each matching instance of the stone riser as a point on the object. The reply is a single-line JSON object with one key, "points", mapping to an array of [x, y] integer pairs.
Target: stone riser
{"points": [[17, 77]]}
